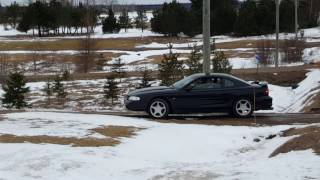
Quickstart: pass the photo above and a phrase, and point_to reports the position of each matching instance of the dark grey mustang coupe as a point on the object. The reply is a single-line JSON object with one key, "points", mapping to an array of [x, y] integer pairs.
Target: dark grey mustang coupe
{"points": [[202, 93]]}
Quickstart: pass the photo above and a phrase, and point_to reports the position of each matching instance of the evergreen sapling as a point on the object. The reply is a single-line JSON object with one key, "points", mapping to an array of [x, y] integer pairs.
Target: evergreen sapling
{"points": [[194, 61], [110, 89], [15, 90], [170, 69]]}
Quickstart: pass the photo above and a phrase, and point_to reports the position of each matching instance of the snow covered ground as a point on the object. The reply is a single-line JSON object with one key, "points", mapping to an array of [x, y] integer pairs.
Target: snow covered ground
{"points": [[98, 34], [161, 151]]}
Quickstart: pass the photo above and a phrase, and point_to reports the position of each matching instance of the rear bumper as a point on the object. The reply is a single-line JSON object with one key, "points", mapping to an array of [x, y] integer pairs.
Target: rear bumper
{"points": [[264, 103]]}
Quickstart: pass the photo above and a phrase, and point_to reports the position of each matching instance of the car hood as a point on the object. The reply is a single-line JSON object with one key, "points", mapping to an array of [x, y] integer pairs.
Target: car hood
{"points": [[150, 89]]}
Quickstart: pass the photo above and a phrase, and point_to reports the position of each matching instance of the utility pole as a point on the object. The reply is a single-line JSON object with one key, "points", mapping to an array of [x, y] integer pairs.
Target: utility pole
{"points": [[296, 5], [206, 37], [277, 33]]}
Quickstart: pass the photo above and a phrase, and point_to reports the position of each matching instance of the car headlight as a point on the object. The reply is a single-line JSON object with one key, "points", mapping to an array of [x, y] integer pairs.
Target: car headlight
{"points": [[134, 98]]}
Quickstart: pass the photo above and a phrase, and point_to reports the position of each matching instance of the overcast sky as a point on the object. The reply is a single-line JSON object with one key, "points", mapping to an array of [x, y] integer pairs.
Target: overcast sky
{"points": [[7, 2]]}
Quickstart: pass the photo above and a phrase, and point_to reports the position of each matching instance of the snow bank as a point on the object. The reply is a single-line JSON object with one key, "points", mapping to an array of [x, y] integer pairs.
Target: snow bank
{"points": [[162, 151], [288, 100], [311, 55]]}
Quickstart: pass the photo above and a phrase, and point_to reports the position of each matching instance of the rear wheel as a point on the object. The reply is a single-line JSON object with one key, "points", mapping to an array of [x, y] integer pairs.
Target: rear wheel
{"points": [[158, 109], [242, 108]]}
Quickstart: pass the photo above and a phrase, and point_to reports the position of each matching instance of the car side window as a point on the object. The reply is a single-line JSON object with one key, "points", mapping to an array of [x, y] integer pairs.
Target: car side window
{"points": [[207, 83], [228, 83]]}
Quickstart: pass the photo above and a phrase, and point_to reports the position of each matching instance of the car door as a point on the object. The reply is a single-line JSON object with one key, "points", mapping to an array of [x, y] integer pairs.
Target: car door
{"points": [[203, 95]]}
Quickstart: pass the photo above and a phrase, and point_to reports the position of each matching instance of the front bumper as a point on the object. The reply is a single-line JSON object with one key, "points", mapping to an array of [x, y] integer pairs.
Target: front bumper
{"points": [[134, 105]]}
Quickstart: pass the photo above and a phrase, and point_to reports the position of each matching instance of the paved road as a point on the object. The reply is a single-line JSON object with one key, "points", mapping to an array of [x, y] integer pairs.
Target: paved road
{"points": [[223, 119], [257, 119], [260, 119]]}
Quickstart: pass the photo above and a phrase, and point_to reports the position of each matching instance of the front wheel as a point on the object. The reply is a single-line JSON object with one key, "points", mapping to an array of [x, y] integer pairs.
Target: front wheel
{"points": [[158, 109], [242, 108]]}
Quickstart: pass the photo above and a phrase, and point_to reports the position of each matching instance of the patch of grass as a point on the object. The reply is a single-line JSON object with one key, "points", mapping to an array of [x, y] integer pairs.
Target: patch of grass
{"points": [[308, 138], [75, 142], [74, 44], [282, 78], [117, 131], [112, 134]]}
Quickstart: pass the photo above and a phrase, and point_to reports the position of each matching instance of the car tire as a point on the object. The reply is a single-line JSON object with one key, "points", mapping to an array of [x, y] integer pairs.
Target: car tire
{"points": [[158, 109], [242, 108]]}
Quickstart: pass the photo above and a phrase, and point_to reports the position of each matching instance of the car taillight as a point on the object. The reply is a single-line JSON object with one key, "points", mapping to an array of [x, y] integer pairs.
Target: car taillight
{"points": [[266, 92]]}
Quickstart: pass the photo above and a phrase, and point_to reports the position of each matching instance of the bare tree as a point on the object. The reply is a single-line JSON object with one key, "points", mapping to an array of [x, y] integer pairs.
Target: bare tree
{"points": [[87, 45], [264, 51], [86, 60], [101, 62], [141, 20], [4, 69], [111, 3], [35, 57], [293, 49]]}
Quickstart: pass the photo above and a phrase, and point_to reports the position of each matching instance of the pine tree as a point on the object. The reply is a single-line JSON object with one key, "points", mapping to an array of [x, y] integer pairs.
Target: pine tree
{"points": [[146, 75], [170, 19], [110, 24], [118, 69], [170, 69], [124, 20], [287, 16], [15, 90], [141, 20], [13, 12], [223, 16], [48, 90], [246, 24], [266, 16], [194, 61], [59, 88], [66, 75], [110, 89], [221, 63]]}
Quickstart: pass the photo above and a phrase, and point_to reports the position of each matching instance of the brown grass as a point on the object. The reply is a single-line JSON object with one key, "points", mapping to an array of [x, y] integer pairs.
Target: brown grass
{"points": [[308, 138], [75, 142], [74, 44], [287, 78], [112, 133], [57, 57], [117, 131]]}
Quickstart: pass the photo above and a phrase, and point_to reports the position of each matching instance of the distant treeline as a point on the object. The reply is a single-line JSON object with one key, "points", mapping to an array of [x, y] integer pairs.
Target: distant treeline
{"points": [[228, 17], [53, 17], [247, 18]]}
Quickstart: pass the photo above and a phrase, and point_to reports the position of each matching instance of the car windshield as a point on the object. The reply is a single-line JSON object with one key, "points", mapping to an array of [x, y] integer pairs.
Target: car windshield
{"points": [[182, 83]]}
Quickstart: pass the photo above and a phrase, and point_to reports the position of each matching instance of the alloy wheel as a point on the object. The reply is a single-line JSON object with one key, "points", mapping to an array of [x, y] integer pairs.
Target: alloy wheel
{"points": [[158, 109], [243, 107]]}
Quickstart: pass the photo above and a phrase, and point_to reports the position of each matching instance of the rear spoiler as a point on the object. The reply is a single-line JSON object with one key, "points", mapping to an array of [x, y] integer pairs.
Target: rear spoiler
{"points": [[261, 84]]}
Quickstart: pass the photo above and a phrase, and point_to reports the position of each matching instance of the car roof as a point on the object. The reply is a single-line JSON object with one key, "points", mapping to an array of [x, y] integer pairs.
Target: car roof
{"points": [[198, 75], [223, 75]]}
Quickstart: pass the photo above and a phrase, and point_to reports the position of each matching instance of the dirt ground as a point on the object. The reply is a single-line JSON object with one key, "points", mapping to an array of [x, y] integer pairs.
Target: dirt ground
{"points": [[111, 133], [307, 138]]}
